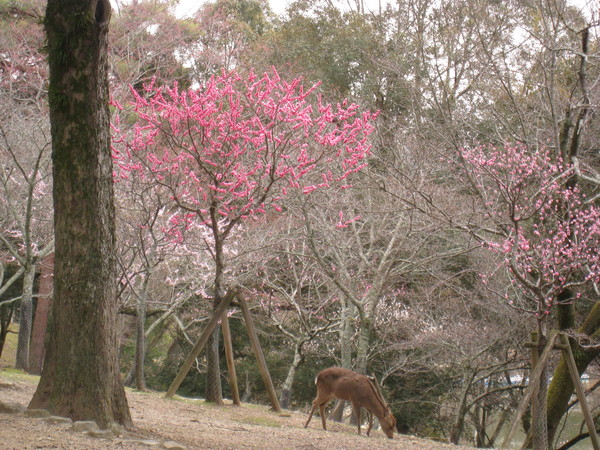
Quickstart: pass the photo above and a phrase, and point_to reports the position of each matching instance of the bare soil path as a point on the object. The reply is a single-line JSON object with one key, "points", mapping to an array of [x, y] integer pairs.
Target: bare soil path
{"points": [[189, 423]]}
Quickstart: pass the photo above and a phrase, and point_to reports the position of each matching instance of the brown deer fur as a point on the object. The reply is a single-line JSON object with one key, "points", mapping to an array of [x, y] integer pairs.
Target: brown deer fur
{"points": [[356, 388]]}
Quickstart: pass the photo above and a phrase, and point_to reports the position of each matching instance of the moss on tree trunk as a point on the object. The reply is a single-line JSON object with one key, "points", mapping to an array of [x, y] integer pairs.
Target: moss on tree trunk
{"points": [[80, 378]]}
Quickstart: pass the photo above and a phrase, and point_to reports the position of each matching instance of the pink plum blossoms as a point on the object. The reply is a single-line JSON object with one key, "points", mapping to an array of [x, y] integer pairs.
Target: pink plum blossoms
{"points": [[547, 234], [236, 147]]}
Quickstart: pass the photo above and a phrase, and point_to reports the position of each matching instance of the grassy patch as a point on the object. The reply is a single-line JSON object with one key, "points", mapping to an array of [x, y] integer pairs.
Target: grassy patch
{"points": [[262, 421], [193, 401], [9, 352], [18, 375]]}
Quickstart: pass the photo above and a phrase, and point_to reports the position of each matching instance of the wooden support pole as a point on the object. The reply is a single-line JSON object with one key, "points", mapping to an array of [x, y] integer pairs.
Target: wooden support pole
{"points": [[258, 353], [589, 420], [210, 326], [534, 378], [235, 393]]}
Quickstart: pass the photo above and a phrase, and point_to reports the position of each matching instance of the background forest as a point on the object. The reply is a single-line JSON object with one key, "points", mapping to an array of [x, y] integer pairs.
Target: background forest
{"points": [[475, 221]]}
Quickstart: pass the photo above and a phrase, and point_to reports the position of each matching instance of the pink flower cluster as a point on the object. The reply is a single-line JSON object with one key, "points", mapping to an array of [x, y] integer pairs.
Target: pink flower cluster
{"points": [[236, 147], [547, 234]]}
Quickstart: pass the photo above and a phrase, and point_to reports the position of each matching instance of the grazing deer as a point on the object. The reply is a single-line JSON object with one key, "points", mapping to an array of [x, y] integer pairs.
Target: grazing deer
{"points": [[356, 388]]}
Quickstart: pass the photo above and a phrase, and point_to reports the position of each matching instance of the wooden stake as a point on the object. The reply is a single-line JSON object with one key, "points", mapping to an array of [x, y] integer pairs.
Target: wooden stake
{"points": [[589, 420], [235, 394], [212, 323], [260, 358], [533, 379]]}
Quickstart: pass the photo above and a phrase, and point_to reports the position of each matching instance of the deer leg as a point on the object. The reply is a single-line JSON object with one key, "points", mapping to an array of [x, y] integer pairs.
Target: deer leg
{"points": [[370, 414], [322, 411], [314, 406], [356, 409]]}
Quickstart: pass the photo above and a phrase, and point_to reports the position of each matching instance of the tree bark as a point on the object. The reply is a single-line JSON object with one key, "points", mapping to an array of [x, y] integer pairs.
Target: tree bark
{"points": [[80, 378]]}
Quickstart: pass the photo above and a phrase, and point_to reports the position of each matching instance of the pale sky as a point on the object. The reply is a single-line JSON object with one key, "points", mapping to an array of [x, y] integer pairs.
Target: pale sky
{"points": [[187, 7], [278, 6]]}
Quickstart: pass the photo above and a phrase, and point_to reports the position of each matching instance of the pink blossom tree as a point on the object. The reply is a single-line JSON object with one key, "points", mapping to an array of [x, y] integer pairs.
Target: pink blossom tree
{"points": [[545, 233], [233, 150], [543, 229]]}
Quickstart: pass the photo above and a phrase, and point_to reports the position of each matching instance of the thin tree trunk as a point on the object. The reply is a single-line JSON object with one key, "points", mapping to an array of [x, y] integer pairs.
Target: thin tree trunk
{"points": [[346, 332], [286, 389], [140, 341], [364, 340], [42, 312], [6, 312], [537, 435], [459, 422], [213, 391], [6, 308], [129, 379], [213, 369], [25, 319]]}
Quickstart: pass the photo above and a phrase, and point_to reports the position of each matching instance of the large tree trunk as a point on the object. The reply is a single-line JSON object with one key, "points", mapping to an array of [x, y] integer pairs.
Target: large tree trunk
{"points": [[80, 378], [25, 319]]}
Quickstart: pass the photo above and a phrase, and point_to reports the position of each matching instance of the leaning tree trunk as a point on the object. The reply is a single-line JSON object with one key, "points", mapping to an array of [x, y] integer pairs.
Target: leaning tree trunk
{"points": [[80, 378], [25, 319]]}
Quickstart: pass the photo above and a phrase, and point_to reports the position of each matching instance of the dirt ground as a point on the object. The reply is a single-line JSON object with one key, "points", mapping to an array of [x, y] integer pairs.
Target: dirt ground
{"points": [[189, 423]]}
